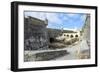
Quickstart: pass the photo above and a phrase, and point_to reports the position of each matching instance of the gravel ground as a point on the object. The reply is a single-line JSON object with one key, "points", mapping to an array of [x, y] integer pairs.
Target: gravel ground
{"points": [[73, 53], [79, 50]]}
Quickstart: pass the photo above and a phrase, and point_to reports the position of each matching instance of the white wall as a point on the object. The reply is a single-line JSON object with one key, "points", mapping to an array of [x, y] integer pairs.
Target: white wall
{"points": [[5, 17]]}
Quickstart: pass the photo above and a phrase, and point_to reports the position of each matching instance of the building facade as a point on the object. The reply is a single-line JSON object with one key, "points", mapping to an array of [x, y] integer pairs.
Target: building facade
{"points": [[35, 34], [71, 35]]}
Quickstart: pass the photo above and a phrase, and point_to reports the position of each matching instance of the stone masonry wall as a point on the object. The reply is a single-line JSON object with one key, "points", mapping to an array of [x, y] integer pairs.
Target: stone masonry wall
{"points": [[35, 36]]}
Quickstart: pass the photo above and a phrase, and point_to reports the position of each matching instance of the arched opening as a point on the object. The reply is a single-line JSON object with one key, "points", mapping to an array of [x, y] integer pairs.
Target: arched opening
{"points": [[67, 35], [51, 40], [76, 36], [71, 36]]}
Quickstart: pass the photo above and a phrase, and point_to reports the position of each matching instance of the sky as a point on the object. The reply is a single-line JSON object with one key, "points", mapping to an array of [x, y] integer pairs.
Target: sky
{"points": [[60, 20]]}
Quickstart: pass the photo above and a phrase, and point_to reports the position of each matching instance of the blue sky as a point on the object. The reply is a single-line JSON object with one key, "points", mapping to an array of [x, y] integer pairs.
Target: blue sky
{"points": [[59, 20]]}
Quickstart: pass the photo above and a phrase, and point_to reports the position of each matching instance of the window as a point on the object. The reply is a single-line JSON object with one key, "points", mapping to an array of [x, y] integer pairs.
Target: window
{"points": [[67, 35], [76, 35], [64, 35], [71, 36]]}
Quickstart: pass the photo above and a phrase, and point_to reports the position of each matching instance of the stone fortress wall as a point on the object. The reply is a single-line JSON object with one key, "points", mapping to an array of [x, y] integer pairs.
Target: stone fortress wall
{"points": [[37, 36]]}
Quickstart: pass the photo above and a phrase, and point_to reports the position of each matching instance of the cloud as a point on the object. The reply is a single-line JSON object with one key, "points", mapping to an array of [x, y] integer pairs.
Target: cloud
{"points": [[60, 20], [53, 18], [71, 14], [39, 15]]}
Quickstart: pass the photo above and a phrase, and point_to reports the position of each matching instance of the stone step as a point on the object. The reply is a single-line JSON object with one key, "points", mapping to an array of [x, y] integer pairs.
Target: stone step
{"points": [[44, 56]]}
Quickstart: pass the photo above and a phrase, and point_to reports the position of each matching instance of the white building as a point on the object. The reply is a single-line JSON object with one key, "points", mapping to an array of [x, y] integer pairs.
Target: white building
{"points": [[69, 34]]}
